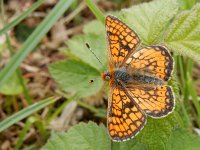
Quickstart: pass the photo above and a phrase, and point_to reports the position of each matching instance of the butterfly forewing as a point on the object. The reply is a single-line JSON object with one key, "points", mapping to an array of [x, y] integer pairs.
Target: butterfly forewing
{"points": [[122, 41]]}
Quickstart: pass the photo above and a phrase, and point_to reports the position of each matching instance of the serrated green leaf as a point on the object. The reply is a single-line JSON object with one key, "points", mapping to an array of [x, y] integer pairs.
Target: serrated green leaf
{"points": [[97, 43], [82, 136], [157, 132], [94, 27], [132, 144], [149, 20], [183, 140], [12, 86], [184, 33], [74, 76]]}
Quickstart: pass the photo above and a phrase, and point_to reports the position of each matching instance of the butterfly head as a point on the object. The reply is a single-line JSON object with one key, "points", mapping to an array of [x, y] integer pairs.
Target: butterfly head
{"points": [[106, 76]]}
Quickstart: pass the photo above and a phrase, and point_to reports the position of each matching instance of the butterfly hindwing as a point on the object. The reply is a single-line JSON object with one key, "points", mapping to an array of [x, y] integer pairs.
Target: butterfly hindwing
{"points": [[124, 119], [156, 101], [153, 60]]}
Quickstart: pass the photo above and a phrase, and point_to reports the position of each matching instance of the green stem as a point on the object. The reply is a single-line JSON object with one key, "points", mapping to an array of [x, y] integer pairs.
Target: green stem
{"points": [[23, 133], [96, 11]]}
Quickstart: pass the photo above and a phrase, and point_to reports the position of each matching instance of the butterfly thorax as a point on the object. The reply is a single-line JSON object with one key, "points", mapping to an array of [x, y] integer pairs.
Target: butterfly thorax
{"points": [[118, 75]]}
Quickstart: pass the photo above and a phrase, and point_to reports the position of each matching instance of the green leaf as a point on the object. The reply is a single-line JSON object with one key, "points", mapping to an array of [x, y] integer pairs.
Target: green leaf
{"points": [[184, 33], [157, 132], [34, 39], [82, 136], [132, 144], [12, 86], [149, 20], [25, 112], [94, 27], [75, 76], [183, 140], [97, 43]]}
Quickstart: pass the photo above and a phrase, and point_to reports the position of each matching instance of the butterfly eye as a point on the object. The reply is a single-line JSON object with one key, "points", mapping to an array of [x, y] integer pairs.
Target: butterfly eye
{"points": [[107, 78]]}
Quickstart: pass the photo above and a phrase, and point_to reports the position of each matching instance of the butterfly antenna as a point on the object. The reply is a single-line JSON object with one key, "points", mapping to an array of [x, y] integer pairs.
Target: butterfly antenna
{"points": [[88, 46]]}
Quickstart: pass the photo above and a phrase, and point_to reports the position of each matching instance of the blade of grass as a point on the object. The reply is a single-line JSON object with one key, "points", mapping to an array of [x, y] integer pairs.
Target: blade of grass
{"points": [[34, 39], [24, 131], [184, 116], [96, 11], [192, 90], [26, 112], [21, 17], [18, 72]]}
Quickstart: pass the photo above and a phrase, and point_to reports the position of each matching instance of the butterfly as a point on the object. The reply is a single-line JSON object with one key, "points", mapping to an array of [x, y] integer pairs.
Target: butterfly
{"points": [[137, 79]]}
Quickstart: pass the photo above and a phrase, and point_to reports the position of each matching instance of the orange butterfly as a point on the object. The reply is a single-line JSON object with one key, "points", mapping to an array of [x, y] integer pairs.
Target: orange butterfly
{"points": [[137, 80]]}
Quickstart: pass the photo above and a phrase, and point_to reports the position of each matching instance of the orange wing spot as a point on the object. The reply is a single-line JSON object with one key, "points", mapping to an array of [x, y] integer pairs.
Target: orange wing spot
{"points": [[125, 134], [128, 30], [120, 134], [129, 132], [111, 126], [117, 128], [131, 45], [134, 109], [133, 128], [124, 33], [128, 38], [122, 127], [124, 42], [125, 126], [138, 114], [151, 92], [128, 121], [112, 133], [114, 31], [121, 29], [121, 37], [138, 123], [115, 51], [129, 60], [116, 21], [114, 120], [160, 70], [124, 115], [133, 34], [133, 117], [108, 18], [127, 110], [117, 26], [113, 24]]}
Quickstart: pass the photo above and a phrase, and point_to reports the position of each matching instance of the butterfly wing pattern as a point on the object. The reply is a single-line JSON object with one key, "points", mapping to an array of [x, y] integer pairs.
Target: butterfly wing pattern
{"points": [[137, 80], [125, 118], [122, 40]]}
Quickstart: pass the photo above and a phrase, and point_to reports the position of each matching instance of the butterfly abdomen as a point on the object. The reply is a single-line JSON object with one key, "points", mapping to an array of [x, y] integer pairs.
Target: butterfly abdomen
{"points": [[145, 79]]}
